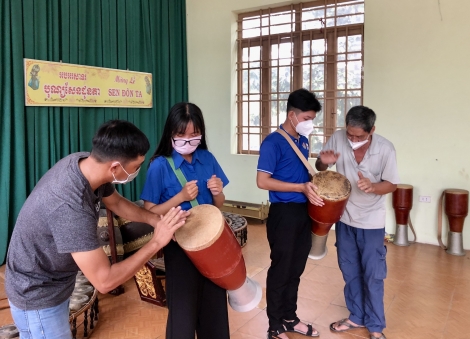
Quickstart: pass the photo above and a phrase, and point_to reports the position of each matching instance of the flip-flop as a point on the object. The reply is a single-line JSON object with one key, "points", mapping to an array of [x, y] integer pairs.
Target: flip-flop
{"points": [[344, 322], [381, 337]]}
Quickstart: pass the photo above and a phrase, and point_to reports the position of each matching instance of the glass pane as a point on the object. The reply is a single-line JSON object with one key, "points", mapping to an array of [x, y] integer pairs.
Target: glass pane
{"points": [[281, 22], [318, 77], [245, 142], [341, 75], [255, 81], [354, 56], [354, 93], [354, 74], [319, 119], [316, 143], [254, 142], [282, 111], [330, 11], [341, 57], [340, 112], [245, 81], [330, 22], [350, 19], [254, 113], [350, 9], [274, 84], [251, 22], [341, 48], [250, 33], [340, 93], [274, 113], [351, 102], [354, 43], [306, 48], [285, 79], [245, 114], [306, 77]]}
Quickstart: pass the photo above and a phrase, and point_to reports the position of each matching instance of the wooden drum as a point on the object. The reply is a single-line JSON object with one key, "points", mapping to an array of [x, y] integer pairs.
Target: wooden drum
{"points": [[334, 188], [402, 201], [212, 247], [456, 209]]}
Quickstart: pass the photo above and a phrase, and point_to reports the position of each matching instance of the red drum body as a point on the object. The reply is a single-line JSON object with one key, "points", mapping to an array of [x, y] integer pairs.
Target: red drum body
{"points": [[456, 209], [334, 188], [402, 201], [210, 244]]}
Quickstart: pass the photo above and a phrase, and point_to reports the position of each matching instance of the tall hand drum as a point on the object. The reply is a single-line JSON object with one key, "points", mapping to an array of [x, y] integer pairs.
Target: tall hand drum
{"points": [[456, 208], [334, 189], [402, 203], [212, 247]]}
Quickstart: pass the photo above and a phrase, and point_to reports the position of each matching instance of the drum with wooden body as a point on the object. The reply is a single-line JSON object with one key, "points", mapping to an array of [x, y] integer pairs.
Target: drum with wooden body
{"points": [[212, 247], [334, 188], [402, 201], [456, 209]]}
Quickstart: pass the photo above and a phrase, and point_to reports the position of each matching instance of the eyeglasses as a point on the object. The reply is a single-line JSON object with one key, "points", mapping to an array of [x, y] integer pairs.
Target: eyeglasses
{"points": [[182, 142]]}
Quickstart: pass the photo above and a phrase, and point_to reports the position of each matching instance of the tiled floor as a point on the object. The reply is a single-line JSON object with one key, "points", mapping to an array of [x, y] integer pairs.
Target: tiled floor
{"points": [[427, 296]]}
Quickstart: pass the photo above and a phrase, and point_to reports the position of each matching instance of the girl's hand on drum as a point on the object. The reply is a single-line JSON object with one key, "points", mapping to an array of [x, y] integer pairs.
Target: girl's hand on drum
{"points": [[168, 224], [190, 191], [309, 191], [215, 185], [364, 184], [329, 157]]}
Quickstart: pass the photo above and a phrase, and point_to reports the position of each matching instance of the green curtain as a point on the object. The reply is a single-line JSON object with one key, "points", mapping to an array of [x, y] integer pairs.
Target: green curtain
{"points": [[138, 35]]}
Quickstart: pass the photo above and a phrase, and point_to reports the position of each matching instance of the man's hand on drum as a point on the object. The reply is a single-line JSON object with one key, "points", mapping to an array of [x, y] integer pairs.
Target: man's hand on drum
{"points": [[329, 157], [364, 184], [168, 224], [215, 185], [190, 191], [309, 191]]}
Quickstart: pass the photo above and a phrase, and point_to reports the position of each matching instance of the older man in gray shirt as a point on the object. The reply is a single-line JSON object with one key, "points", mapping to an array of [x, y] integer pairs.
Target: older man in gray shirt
{"points": [[55, 233], [368, 161]]}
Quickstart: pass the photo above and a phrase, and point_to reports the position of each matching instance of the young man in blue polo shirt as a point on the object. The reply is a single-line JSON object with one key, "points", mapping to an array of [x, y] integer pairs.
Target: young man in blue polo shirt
{"points": [[288, 227]]}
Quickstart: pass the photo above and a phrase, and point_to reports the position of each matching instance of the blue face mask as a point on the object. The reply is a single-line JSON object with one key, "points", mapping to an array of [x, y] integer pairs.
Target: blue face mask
{"points": [[130, 177]]}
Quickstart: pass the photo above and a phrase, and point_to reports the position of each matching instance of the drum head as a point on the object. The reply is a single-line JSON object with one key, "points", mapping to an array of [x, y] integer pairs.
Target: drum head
{"points": [[405, 186], [332, 185], [202, 228]]}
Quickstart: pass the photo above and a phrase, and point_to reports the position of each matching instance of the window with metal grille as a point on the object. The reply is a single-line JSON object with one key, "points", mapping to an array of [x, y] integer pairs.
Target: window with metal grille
{"points": [[315, 45]]}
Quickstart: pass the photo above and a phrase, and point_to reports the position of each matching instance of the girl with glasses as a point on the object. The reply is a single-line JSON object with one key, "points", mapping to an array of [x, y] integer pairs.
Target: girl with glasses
{"points": [[195, 304]]}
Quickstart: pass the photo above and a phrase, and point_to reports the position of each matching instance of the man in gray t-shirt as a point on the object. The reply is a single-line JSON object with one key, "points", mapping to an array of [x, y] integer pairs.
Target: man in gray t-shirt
{"points": [[368, 161], [55, 233]]}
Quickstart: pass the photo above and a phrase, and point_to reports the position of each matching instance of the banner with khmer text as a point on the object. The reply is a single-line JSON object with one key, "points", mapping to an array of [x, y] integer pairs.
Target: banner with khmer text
{"points": [[59, 84]]}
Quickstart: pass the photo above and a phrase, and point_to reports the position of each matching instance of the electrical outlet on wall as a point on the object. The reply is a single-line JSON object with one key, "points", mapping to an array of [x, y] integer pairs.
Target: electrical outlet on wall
{"points": [[424, 198]]}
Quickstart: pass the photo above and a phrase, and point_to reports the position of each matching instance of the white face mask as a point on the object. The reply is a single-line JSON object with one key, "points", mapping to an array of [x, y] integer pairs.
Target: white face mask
{"points": [[359, 144], [304, 128], [130, 177]]}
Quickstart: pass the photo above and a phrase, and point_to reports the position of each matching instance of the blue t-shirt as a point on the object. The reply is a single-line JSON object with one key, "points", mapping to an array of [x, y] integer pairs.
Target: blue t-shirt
{"points": [[277, 158], [162, 184]]}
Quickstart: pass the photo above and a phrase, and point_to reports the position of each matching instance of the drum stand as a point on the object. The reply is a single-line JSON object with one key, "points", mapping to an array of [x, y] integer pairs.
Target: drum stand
{"points": [[401, 235]]}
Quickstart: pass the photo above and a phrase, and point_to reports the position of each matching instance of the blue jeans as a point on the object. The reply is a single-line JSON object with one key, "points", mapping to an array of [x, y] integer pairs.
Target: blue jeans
{"points": [[47, 323], [361, 258]]}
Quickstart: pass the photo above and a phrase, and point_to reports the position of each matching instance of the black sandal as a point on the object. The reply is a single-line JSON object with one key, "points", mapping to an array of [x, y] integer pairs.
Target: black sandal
{"points": [[273, 334], [289, 325]]}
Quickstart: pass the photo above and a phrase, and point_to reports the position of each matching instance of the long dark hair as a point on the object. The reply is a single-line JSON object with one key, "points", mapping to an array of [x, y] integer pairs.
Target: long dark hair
{"points": [[176, 122]]}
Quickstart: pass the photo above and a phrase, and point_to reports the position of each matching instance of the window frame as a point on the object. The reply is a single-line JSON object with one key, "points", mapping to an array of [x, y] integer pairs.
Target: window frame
{"points": [[297, 36]]}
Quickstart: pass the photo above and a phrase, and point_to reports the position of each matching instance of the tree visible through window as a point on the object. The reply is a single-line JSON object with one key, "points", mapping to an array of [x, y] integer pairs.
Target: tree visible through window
{"points": [[315, 45]]}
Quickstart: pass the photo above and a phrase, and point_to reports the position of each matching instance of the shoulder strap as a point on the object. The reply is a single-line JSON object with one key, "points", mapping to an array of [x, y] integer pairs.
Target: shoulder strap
{"points": [[439, 221], [297, 151], [179, 174]]}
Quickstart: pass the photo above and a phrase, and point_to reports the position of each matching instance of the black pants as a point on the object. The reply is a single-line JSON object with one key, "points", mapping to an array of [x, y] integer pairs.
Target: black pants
{"points": [[195, 304], [289, 236]]}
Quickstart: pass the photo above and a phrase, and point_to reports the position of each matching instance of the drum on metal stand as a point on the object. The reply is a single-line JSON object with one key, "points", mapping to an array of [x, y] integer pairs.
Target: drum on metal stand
{"points": [[334, 188], [456, 209], [211, 245], [402, 204]]}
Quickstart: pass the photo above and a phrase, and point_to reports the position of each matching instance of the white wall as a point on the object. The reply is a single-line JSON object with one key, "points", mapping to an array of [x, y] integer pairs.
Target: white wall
{"points": [[416, 72]]}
